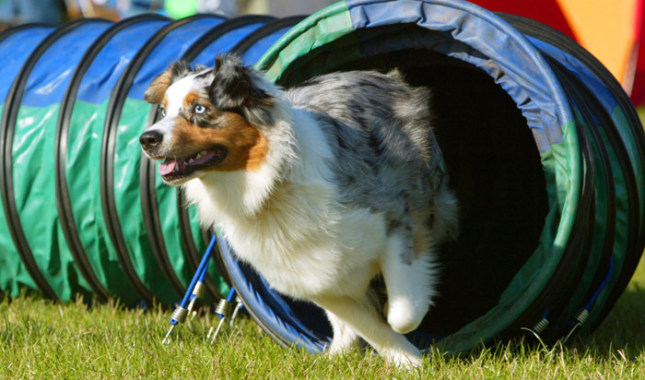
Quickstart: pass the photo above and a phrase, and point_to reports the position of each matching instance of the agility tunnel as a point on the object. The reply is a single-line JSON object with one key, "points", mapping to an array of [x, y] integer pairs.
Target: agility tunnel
{"points": [[544, 151], [83, 213]]}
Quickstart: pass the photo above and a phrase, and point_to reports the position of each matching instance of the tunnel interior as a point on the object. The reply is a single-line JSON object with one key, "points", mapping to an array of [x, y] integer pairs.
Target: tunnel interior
{"points": [[494, 167]]}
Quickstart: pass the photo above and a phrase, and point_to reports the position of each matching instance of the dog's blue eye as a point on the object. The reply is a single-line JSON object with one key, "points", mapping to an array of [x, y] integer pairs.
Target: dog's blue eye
{"points": [[199, 108]]}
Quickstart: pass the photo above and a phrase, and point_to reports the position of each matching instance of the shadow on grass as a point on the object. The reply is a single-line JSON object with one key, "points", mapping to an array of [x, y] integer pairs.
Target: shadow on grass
{"points": [[620, 335], [623, 329]]}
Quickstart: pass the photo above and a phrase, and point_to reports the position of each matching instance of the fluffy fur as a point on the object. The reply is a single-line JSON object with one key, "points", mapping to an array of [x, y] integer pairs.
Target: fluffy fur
{"points": [[320, 188]]}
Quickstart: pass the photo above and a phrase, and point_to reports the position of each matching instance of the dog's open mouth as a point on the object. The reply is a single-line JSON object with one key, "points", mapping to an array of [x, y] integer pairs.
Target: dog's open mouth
{"points": [[172, 169]]}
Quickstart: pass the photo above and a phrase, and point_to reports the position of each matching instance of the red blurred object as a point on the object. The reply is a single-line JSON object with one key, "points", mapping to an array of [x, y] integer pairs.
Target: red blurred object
{"points": [[626, 56]]}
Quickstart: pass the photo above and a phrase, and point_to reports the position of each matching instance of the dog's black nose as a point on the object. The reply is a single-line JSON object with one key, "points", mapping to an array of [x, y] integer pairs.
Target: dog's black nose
{"points": [[150, 139]]}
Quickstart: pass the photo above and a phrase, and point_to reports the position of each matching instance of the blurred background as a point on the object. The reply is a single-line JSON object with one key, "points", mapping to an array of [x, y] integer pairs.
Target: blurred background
{"points": [[14, 12]]}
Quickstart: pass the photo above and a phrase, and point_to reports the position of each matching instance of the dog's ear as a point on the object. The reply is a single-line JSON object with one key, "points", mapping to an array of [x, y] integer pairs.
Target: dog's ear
{"points": [[235, 86], [157, 89]]}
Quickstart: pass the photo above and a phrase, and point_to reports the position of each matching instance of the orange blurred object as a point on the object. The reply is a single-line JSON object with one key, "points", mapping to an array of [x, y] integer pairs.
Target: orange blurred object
{"points": [[612, 31]]}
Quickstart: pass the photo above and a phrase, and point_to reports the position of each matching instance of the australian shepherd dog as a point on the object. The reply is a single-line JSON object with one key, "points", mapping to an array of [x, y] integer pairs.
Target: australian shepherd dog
{"points": [[320, 188]]}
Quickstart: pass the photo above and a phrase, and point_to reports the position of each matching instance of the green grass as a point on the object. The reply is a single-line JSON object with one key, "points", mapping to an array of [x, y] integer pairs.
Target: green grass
{"points": [[41, 339]]}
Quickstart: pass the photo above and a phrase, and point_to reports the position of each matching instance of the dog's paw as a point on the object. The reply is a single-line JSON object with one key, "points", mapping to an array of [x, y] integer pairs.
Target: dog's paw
{"points": [[342, 343], [403, 315], [338, 349], [404, 360]]}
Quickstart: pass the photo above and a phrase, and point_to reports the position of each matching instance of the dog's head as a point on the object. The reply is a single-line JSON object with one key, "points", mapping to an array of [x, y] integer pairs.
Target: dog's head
{"points": [[213, 119]]}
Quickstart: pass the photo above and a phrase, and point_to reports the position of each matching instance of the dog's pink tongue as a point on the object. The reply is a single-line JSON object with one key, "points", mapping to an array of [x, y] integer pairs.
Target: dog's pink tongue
{"points": [[167, 167]]}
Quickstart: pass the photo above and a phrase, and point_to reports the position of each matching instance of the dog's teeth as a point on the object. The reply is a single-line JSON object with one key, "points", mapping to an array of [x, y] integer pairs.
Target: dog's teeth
{"points": [[198, 155]]}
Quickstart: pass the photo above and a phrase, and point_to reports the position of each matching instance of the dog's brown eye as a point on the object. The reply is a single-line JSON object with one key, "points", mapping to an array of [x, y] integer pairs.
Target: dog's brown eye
{"points": [[162, 111], [199, 108]]}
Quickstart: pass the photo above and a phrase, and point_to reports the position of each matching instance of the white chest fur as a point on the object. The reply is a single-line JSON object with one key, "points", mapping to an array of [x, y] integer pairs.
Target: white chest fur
{"points": [[302, 243], [290, 227]]}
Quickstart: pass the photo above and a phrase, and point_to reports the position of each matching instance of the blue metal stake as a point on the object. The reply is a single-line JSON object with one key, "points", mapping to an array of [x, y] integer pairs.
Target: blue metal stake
{"points": [[223, 310], [195, 290]]}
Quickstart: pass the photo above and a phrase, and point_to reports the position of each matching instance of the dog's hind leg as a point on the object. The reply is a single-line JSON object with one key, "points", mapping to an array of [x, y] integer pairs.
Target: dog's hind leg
{"points": [[409, 279], [361, 317], [344, 337]]}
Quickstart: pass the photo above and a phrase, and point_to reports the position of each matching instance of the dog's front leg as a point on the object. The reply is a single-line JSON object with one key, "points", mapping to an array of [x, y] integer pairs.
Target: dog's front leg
{"points": [[409, 280], [362, 318], [344, 337]]}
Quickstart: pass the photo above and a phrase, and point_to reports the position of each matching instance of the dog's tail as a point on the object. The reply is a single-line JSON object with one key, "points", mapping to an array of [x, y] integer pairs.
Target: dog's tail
{"points": [[445, 226], [445, 217]]}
